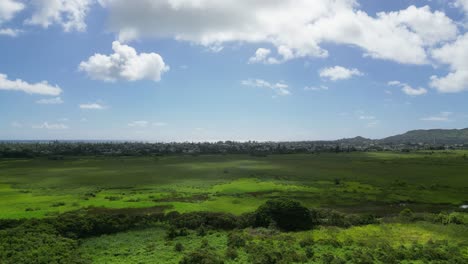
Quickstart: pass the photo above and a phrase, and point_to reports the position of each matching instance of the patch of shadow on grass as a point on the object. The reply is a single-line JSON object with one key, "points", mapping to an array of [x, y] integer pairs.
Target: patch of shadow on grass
{"points": [[128, 211], [189, 199]]}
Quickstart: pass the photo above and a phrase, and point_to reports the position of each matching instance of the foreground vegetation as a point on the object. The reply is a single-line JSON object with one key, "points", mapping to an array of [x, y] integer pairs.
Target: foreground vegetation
{"points": [[353, 207]]}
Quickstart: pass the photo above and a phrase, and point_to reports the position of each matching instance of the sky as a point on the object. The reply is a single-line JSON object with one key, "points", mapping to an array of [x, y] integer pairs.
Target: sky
{"points": [[209, 70]]}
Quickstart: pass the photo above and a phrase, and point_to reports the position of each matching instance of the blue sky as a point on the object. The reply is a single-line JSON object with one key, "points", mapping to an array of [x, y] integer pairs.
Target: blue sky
{"points": [[195, 70]]}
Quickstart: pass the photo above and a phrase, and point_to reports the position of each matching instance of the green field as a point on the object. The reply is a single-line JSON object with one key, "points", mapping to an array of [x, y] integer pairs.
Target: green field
{"points": [[359, 182], [350, 184]]}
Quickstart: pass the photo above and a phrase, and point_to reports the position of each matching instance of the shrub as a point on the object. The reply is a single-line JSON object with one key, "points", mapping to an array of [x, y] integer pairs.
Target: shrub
{"points": [[36, 242], [236, 240], [407, 214], [286, 214], [231, 253], [179, 247]]}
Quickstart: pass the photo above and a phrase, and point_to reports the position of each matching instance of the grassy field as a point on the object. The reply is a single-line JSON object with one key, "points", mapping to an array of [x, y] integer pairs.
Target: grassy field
{"points": [[150, 245], [381, 183]]}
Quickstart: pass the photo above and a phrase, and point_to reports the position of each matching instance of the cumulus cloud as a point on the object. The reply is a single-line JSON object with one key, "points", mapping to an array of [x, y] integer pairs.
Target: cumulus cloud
{"points": [[43, 87], [124, 64], [8, 9], [56, 100], [441, 117], [279, 88], [70, 14], [339, 73], [296, 28], [455, 55], [463, 4], [407, 89], [92, 106], [51, 126], [262, 56]]}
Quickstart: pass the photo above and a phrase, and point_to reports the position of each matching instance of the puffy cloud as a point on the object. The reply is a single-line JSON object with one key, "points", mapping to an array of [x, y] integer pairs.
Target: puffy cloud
{"points": [[296, 28], [46, 125], [43, 87], [441, 117], [456, 56], [8, 9], [462, 4], [141, 124], [126, 64], [56, 100], [92, 106], [262, 56], [407, 89], [339, 73], [70, 14], [279, 88]]}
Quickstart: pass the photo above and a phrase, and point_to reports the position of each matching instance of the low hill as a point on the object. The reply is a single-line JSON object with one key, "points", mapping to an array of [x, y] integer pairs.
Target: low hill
{"points": [[432, 136]]}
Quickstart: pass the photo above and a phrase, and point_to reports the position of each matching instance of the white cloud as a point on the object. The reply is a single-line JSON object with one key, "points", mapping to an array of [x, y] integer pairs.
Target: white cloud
{"points": [[279, 88], [43, 87], [51, 126], [441, 117], [56, 100], [141, 124], [11, 32], [365, 117], [8, 9], [407, 89], [456, 56], [316, 88], [70, 14], [339, 73], [297, 28], [126, 64], [262, 56], [92, 106], [462, 4]]}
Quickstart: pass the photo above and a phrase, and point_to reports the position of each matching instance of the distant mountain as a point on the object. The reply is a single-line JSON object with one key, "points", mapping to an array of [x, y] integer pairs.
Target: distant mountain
{"points": [[355, 141], [432, 136]]}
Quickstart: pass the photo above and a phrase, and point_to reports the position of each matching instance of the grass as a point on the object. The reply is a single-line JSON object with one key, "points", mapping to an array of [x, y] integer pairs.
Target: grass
{"points": [[368, 182]]}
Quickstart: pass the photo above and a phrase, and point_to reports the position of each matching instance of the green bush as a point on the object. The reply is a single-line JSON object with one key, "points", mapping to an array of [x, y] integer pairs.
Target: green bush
{"points": [[286, 214], [37, 243]]}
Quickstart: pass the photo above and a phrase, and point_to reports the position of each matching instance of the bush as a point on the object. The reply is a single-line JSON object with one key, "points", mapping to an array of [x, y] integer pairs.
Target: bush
{"points": [[36, 243], [231, 253], [407, 214], [236, 240], [179, 247], [286, 214]]}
